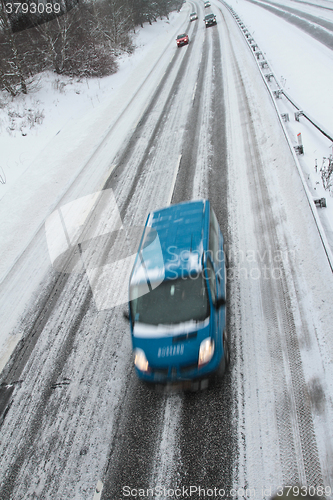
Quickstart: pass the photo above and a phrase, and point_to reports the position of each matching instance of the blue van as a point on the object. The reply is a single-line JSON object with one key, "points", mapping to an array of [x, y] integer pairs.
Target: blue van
{"points": [[177, 297]]}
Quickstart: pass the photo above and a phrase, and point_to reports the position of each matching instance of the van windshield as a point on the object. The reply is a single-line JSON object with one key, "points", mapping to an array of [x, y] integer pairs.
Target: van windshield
{"points": [[172, 302]]}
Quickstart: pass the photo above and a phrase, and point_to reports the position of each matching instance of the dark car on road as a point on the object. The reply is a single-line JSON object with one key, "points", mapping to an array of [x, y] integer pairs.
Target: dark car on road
{"points": [[210, 20], [182, 39]]}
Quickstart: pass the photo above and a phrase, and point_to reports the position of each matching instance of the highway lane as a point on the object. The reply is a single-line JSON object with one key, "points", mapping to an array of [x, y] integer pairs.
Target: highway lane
{"points": [[193, 441]]}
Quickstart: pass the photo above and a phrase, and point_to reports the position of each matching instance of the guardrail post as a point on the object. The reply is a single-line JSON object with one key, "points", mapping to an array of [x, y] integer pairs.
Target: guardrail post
{"points": [[320, 202], [277, 93], [298, 114], [299, 148]]}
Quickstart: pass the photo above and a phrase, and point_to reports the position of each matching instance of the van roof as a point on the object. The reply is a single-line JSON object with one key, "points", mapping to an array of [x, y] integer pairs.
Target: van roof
{"points": [[182, 240]]}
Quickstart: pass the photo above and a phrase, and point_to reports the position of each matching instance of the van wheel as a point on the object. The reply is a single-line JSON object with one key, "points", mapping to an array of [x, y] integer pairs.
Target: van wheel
{"points": [[225, 361]]}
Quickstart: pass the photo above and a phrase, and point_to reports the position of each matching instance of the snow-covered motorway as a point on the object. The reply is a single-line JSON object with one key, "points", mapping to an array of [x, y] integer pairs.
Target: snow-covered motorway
{"points": [[75, 413], [318, 26]]}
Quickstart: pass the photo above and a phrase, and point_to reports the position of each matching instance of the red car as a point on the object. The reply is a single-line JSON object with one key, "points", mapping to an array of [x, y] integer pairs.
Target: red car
{"points": [[182, 40]]}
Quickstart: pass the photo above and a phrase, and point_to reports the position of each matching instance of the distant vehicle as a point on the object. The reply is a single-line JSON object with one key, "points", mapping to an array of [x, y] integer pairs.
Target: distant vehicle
{"points": [[177, 298], [207, 4], [193, 16], [182, 40], [210, 20]]}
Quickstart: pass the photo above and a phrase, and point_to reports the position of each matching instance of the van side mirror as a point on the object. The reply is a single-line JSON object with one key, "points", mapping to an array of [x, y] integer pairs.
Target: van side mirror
{"points": [[220, 302], [126, 315]]}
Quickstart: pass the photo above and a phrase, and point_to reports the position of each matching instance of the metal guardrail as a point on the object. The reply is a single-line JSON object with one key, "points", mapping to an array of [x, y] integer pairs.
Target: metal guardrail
{"points": [[254, 46], [308, 117]]}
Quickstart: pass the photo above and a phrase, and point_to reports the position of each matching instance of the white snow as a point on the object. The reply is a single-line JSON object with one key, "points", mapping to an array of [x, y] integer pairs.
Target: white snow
{"points": [[60, 99], [42, 165], [307, 301], [303, 65]]}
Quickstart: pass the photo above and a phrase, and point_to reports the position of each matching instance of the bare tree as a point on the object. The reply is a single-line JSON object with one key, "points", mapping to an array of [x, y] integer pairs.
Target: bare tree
{"points": [[56, 38], [327, 173], [149, 10], [73, 45], [12, 76], [81, 42], [114, 22]]}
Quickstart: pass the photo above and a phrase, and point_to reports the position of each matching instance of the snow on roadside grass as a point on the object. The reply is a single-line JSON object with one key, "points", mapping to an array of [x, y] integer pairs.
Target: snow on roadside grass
{"points": [[29, 122], [44, 165]]}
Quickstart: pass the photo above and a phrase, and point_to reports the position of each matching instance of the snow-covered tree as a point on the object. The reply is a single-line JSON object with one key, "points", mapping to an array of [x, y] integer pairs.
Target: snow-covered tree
{"points": [[82, 42], [12, 77]]}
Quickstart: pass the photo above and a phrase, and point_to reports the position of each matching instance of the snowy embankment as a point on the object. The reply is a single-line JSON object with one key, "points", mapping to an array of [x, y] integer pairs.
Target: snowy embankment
{"points": [[303, 68], [41, 166]]}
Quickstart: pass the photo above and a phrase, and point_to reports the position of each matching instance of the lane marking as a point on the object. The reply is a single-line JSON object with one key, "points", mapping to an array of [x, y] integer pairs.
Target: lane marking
{"points": [[174, 180], [194, 91], [98, 490]]}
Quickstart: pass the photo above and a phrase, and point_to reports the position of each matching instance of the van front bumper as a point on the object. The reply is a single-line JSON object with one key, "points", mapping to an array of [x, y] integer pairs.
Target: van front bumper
{"points": [[182, 385], [182, 377]]}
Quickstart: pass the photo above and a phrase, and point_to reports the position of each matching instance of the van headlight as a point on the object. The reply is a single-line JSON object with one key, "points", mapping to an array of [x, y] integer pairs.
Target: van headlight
{"points": [[140, 360], [206, 351]]}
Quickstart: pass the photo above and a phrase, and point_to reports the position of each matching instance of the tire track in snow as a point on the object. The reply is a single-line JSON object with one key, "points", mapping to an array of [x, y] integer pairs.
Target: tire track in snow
{"points": [[124, 158], [184, 183], [133, 448], [297, 437], [218, 165], [32, 427], [167, 458], [208, 429]]}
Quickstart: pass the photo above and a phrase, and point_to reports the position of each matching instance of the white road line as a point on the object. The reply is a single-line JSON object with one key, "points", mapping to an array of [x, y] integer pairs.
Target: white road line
{"points": [[174, 180], [98, 490], [167, 454], [194, 91]]}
